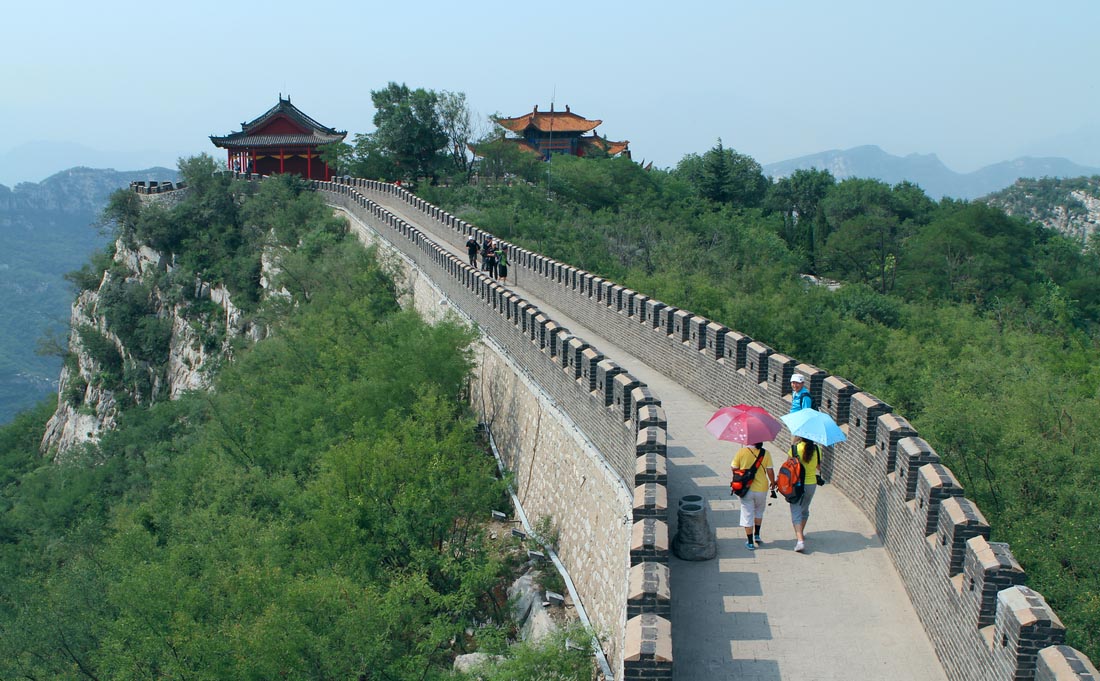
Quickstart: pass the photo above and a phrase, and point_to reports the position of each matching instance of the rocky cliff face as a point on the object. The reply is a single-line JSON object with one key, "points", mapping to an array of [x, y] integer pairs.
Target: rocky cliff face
{"points": [[202, 324], [1071, 207]]}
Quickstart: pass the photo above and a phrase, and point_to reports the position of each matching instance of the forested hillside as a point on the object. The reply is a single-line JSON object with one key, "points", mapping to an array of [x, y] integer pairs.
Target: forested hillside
{"points": [[979, 327], [317, 515]]}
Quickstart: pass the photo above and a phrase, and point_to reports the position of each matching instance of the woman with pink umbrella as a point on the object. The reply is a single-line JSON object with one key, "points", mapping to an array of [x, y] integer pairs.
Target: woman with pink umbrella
{"points": [[746, 424]]}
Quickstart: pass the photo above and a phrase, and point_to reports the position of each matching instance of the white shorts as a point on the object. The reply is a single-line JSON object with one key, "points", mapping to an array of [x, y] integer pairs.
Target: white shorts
{"points": [[752, 507]]}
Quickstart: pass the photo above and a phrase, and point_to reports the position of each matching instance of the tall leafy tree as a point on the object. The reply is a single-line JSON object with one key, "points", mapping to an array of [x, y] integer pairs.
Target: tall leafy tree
{"points": [[866, 248], [500, 158], [725, 176], [972, 252], [409, 130], [457, 123], [798, 198]]}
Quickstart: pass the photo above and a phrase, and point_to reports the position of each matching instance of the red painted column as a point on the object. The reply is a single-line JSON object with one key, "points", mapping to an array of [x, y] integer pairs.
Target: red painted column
{"points": [[280, 159], [309, 163]]}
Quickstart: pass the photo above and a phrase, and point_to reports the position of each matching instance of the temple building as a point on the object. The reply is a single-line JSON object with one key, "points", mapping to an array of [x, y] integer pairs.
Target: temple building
{"points": [[560, 132], [281, 140]]}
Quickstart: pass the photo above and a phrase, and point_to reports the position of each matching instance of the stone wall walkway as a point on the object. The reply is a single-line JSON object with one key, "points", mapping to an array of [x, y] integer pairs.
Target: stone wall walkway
{"points": [[837, 611]]}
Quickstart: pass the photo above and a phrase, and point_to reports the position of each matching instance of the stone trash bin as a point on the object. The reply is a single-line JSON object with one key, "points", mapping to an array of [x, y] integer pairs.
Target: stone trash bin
{"points": [[694, 539]]}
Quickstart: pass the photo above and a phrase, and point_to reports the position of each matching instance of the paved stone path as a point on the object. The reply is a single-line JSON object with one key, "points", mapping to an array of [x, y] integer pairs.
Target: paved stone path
{"points": [[837, 611]]}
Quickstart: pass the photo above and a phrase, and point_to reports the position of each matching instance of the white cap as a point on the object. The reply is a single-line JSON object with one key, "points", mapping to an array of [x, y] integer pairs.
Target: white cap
{"points": [[798, 378]]}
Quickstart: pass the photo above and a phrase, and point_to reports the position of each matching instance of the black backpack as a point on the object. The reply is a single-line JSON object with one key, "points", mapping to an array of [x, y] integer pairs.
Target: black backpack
{"points": [[743, 477]]}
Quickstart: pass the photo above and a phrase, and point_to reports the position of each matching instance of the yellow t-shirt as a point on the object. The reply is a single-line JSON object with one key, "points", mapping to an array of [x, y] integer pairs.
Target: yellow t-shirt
{"points": [[744, 458], [811, 465]]}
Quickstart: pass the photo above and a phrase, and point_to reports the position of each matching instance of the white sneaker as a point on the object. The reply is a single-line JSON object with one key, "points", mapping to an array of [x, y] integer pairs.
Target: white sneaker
{"points": [[800, 546]]}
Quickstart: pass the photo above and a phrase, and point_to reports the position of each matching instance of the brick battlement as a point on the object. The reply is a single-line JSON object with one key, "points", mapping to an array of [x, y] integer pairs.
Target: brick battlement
{"points": [[156, 187]]}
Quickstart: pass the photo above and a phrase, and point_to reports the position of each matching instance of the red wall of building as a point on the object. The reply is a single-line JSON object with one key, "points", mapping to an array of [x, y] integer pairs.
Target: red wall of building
{"points": [[280, 126]]}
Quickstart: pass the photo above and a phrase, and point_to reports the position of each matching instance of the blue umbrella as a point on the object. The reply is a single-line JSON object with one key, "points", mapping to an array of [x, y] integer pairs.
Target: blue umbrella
{"points": [[814, 425]]}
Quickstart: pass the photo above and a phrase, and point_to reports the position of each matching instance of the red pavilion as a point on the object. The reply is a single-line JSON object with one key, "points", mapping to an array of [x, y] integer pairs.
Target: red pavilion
{"points": [[282, 140]]}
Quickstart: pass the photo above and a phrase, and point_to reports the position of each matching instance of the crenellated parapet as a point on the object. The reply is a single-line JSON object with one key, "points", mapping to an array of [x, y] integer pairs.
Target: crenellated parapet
{"points": [[154, 187], [969, 592]]}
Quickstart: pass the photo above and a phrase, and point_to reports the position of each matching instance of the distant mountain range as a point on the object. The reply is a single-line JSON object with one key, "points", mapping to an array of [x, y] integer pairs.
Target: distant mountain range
{"points": [[926, 170], [40, 160], [46, 230]]}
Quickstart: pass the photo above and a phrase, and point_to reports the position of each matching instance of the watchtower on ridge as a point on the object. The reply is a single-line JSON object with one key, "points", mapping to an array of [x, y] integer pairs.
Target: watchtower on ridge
{"points": [[559, 132], [281, 140]]}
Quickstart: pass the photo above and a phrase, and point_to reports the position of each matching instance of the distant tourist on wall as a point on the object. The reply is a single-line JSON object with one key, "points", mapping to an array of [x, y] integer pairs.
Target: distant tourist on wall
{"points": [[800, 395], [756, 499], [491, 259], [485, 246], [502, 264], [236, 165], [810, 455], [472, 248]]}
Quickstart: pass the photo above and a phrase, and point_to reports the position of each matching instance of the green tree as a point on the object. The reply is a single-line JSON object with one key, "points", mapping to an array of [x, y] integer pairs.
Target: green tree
{"points": [[866, 248], [499, 158], [725, 176], [798, 199], [971, 252], [339, 156], [457, 123], [409, 130]]}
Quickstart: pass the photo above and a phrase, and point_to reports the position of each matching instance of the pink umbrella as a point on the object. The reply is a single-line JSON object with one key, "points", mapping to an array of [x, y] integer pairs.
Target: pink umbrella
{"points": [[744, 423]]}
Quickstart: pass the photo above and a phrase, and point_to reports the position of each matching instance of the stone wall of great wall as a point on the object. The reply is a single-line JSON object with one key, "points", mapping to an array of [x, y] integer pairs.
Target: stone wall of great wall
{"points": [[968, 591]]}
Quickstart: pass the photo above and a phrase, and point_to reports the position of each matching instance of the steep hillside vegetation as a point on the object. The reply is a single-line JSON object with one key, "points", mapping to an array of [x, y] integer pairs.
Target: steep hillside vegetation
{"points": [[317, 515], [1068, 206]]}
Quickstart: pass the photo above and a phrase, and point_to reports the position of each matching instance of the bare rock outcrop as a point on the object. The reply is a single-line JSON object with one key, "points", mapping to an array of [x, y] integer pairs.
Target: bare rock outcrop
{"points": [[89, 401]]}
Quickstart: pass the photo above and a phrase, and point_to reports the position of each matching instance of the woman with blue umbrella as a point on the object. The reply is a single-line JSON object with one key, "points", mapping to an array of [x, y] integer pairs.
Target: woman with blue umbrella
{"points": [[810, 429]]}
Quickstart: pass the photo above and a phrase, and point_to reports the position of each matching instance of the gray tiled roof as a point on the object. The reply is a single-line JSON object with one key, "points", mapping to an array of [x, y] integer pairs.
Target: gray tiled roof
{"points": [[319, 134], [273, 140]]}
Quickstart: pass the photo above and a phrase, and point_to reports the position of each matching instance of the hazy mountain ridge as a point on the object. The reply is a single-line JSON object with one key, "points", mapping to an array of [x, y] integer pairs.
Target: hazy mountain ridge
{"points": [[46, 229], [74, 190], [926, 170], [1070, 206]]}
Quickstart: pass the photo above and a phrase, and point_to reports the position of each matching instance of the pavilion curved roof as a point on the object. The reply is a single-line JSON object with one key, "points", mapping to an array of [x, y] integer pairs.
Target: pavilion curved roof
{"points": [[549, 121], [594, 141], [612, 148], [251, 133]]}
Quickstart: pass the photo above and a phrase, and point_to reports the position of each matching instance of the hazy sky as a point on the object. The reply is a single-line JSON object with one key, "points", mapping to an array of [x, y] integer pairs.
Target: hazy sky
{"points": [[974, 82]]}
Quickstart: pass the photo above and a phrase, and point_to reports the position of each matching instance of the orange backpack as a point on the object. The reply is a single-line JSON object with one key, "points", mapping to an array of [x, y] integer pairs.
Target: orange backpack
{"points": [[791, 481]]}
